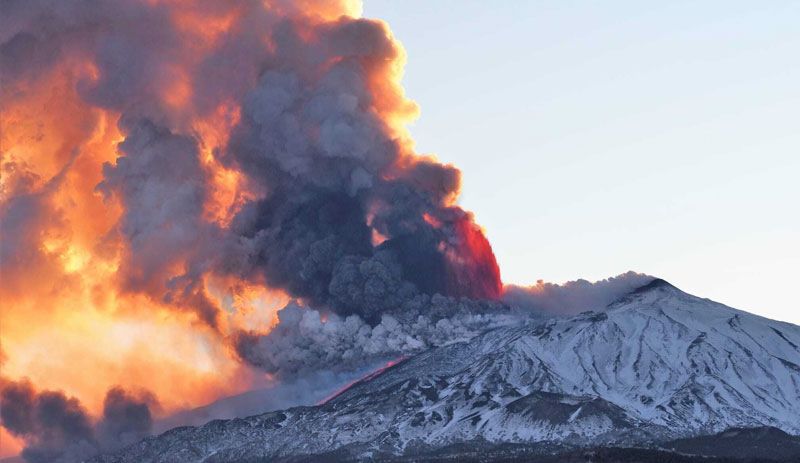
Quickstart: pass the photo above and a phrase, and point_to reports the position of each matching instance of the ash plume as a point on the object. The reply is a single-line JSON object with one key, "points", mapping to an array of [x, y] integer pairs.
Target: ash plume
{"points": [[317, 98], [573, 297], [58, 429], [334, 174]]}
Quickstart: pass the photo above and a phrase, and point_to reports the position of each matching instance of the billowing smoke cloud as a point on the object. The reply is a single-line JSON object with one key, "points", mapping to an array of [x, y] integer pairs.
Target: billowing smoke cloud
{"points": [[573, 297], [57, 428], [349, 217], [337, 176], [160, 182], [127, 417], [304, 341]]}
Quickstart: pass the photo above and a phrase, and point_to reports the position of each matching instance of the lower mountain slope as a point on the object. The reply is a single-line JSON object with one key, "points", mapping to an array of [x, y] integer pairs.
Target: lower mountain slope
{"points": [[654, 366], [743, 443]]}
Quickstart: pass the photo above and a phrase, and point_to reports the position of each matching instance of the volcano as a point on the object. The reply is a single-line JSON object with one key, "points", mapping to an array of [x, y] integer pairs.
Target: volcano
{"points": [[655, 367]]}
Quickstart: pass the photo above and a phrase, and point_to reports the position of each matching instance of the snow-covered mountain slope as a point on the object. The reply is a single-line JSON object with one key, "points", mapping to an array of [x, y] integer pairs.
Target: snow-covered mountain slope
{"points": [[655, 365]]}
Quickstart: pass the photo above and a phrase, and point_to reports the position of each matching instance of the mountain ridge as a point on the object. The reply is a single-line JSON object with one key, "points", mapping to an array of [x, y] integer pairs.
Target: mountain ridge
{"points": [[656, 365]]}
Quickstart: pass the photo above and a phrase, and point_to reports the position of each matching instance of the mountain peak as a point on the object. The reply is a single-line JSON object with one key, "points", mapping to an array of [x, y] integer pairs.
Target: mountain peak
{"points": [[657, 283]]}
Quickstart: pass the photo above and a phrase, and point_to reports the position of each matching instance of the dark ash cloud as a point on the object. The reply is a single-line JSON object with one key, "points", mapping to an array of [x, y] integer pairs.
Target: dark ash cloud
{"points": [[58, 429], [127, 417]]}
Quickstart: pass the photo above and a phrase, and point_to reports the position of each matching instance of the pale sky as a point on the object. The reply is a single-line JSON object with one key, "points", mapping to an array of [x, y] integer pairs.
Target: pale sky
{"points": [[600, 137]]}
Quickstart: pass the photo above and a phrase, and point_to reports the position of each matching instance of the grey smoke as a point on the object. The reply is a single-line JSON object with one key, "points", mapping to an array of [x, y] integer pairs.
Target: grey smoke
{"points": [[55, 428], [29, 208], [305, 340], [573, 297], [159, 181], [127, 417], [58, 429], [320, 149]]}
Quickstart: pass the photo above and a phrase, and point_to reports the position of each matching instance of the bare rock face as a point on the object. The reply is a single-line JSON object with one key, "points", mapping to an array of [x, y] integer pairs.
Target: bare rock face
{"points": [[654, 366]]}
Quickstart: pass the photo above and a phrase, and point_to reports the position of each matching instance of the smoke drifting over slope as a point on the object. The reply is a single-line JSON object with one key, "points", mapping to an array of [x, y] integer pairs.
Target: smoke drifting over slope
{"points": [[302, 343], [573, 297]]}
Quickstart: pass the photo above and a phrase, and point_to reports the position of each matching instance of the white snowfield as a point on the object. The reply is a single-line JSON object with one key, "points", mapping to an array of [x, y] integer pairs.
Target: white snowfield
{"points": [[656, 364]]}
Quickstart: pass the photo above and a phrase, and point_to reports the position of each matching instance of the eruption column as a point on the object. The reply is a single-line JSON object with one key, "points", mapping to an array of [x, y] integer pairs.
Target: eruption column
{"points": [[165, 162]]}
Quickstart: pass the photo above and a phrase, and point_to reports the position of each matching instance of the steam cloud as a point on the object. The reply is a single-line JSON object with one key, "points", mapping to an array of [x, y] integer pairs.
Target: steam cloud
{"points": [[57, 429]]}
